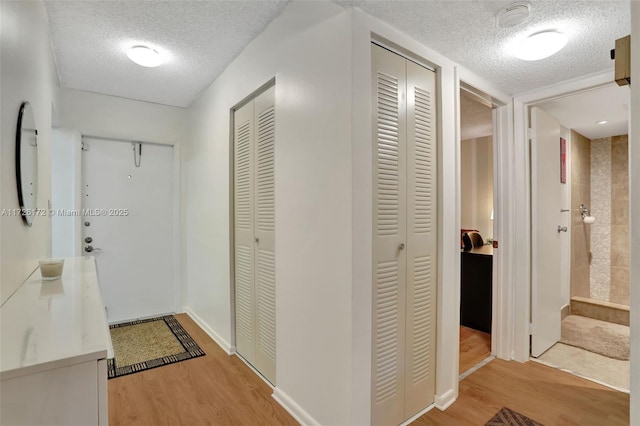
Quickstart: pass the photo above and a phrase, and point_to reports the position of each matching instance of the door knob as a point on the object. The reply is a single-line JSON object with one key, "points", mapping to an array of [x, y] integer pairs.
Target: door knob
{"points": [[562, 229], [89, 249], [88, 240], [401, 246]]}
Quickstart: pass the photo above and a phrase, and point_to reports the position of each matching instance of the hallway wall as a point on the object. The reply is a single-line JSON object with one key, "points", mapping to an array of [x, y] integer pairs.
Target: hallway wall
{"points": [[27, 73], [307, 50]]}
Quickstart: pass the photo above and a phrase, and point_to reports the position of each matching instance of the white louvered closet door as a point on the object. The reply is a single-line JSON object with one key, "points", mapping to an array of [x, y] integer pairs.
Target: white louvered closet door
{"points": [[404, 238], [265, 259], [244, 232], [389, 259], [421, 239], [254, 195]]}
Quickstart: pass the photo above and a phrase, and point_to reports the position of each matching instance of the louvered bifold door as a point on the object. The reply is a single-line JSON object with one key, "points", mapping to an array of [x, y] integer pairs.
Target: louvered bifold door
{"points": [[389, 232], [244, 231], [264, 158], [421, 239]]}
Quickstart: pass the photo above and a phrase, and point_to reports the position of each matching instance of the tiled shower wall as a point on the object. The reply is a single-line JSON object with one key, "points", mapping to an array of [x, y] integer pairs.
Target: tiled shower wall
{"points": [[619, 292], [601, 210], [609, 203], [580, 194]]}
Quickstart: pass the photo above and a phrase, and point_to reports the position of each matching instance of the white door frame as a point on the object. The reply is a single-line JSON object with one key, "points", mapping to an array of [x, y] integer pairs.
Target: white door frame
{"points": [[522, 198], [177, 209], [501, 312]]}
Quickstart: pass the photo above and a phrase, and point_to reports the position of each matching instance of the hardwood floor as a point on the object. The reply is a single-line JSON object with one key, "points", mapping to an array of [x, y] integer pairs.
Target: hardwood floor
{"points": [[475, 346], [215, 389], [544, 394]]}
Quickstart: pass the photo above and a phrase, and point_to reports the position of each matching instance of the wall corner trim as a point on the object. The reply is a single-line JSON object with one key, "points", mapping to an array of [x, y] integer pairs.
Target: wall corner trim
{"points": [[230, 350], [444, 401], [298, 413]]}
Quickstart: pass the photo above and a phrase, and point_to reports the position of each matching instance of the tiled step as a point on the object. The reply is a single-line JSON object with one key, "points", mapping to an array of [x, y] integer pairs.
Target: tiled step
{"points": [[604, 338]]}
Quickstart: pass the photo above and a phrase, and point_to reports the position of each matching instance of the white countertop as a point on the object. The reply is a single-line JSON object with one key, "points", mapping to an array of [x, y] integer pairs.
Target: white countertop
{"points": [[52, 324]]}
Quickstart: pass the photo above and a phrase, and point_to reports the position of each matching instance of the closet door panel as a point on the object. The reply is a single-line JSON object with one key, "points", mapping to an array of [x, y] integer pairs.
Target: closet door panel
{"points": [[421, 239], [244, 231], [265, 233], [389, 231]]}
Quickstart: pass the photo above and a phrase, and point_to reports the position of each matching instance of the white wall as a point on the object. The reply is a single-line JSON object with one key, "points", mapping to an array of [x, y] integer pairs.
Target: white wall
{"points": [[65, 193], [476, 183], [634, 223], [94, 114], [307, 49], [27, 73]]}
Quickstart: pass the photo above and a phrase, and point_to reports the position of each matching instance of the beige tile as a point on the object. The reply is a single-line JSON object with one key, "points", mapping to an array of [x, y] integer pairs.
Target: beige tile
{"points": [[580, 246], [620, 245], [619, 204], [619, 161], [580, 282], [580, 159], [603, 311], [619, 292]]}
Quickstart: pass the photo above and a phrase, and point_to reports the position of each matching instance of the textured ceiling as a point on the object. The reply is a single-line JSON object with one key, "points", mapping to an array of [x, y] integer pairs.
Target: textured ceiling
{"points": [[476, 119], [200, 38], [580, 111], [466, 32], [203, 37]]}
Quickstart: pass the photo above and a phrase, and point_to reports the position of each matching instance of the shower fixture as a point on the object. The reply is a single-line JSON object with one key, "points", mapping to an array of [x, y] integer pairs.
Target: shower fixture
{"points": [[586, 218], [584, 211]]}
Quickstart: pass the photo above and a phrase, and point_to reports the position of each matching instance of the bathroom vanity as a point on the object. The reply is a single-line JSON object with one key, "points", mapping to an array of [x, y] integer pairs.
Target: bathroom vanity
{"points": [[54, 347]]}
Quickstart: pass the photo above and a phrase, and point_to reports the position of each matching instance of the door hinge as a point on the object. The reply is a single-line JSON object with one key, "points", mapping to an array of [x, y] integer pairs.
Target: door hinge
{"points": [[84, 146], [531, 133], [532, 329]]}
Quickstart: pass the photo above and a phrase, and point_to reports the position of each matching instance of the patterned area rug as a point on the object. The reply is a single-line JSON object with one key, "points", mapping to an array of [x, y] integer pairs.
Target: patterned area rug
{"points": [[145, 344], [508, 417]]}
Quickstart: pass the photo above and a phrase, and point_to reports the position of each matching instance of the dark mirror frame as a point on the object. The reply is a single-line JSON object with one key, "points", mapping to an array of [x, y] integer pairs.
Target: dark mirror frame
{"points": [[27, 217]]}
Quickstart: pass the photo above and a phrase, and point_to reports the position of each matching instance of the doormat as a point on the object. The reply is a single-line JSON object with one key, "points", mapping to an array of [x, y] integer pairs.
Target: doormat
{"points": [[508, 417], [144, 344]]}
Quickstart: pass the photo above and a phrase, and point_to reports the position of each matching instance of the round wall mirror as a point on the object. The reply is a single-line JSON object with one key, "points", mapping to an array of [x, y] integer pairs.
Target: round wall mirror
{"points": [[27, 163]]}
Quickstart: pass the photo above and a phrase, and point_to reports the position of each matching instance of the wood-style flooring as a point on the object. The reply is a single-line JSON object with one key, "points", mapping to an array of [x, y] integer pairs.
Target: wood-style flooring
{"points": [[215, 389], [544, 394], [218, 389], [475, 347]]}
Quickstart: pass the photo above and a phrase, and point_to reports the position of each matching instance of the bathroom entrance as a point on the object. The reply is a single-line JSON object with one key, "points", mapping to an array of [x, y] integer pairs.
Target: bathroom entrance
{"points": [[580, 241]]}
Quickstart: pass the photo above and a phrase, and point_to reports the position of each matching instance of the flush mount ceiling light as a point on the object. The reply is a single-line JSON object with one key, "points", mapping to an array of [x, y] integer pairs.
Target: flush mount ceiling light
{"points": [[513, 15], [540, 45], [145, 56], [602, 122]]}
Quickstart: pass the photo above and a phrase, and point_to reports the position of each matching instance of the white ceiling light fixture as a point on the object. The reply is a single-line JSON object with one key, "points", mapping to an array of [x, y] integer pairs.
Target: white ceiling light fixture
{"points": [[540, 45], [513, 15], [145, 56], [602, 122]]}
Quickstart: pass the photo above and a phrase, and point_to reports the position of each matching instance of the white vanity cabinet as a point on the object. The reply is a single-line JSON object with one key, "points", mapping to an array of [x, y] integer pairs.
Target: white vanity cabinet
{"points": [[54, 344]]}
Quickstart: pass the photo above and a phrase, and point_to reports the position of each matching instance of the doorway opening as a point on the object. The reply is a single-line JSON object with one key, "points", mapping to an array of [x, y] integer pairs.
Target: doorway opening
{"points": [[580, 234], [477, 230]]}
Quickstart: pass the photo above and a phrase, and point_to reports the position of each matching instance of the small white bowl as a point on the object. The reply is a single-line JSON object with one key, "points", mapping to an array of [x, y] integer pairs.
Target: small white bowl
{"points": [[51, 269]]}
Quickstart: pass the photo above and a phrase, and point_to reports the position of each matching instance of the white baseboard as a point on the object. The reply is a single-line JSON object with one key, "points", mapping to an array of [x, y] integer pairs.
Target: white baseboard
{"points": [[445, 400], [294, 409], [230, 350]]}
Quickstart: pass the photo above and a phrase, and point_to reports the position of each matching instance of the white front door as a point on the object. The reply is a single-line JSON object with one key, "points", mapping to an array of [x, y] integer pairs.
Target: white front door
{"points": [[546, 236], [127, 224]]}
